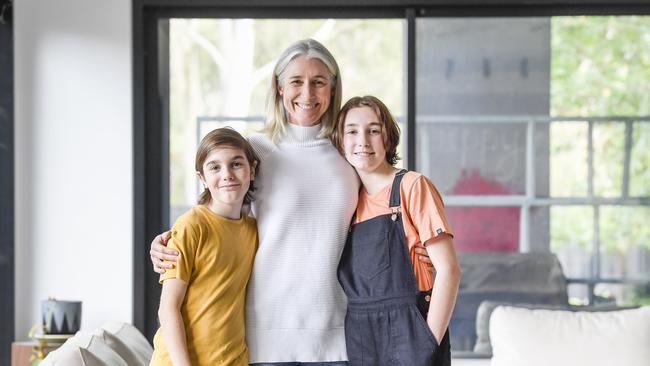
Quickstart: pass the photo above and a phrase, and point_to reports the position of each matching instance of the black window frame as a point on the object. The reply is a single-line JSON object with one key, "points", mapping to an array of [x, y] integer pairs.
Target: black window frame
{"points": [[151, 94]]}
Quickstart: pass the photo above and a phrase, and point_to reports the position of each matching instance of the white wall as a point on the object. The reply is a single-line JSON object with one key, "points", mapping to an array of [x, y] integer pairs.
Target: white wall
{"points": [[73, 158]]}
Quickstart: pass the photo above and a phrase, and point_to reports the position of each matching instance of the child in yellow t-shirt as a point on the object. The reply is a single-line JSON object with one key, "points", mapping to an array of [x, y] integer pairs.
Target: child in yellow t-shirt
{"points": [[202, 302], [387, 316]]}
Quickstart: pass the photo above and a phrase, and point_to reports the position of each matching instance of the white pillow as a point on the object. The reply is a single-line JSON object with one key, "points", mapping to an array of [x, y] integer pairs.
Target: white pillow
{"points": [[132, 338], [125, 352], [95, 345], [562, 338], [71, 356]]}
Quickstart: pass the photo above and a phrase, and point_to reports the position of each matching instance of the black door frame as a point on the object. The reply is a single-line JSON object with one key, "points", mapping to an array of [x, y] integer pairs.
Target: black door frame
{"points": [[7, 266], [151, 96]]}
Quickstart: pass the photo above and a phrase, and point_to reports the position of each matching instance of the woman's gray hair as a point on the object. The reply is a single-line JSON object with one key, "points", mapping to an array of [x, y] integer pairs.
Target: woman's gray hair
{"points": [[277, 116]]}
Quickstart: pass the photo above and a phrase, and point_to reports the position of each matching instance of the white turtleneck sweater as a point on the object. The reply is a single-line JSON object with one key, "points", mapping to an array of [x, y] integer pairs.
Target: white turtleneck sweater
{"points": [[306, 196]]}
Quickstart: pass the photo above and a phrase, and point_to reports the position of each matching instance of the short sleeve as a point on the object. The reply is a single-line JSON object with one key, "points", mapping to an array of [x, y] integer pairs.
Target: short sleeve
{"points": [[184, 239], [426, 210]]}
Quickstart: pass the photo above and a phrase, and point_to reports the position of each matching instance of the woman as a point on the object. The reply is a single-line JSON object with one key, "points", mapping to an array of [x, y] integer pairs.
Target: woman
{"points": [[306, 197]]}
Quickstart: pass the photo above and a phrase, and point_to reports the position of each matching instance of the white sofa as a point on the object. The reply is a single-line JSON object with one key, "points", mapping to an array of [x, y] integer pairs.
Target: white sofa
{"points": [[470, 361], [115, 343], [532, 337], [518, 336]]}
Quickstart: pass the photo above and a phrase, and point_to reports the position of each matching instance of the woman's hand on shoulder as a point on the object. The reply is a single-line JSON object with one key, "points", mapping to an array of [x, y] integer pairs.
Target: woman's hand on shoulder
{"points": [[161, 256]]}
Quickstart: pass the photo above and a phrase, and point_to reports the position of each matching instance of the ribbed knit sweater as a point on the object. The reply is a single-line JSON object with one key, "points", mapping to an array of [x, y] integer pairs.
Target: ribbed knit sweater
{"points": [[306, 196]]}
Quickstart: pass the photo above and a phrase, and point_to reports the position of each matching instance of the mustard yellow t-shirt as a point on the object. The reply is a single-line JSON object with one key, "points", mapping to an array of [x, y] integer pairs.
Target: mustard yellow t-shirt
{"points": [[216, 259]]}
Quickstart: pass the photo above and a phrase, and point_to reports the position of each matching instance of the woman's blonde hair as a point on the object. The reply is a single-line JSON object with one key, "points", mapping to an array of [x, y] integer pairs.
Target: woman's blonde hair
{"points": [[277, 116], [220, 138]]}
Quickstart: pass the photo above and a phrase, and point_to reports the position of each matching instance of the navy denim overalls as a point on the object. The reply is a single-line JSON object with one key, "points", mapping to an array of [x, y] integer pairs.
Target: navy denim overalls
{"points": [[383, 324]]}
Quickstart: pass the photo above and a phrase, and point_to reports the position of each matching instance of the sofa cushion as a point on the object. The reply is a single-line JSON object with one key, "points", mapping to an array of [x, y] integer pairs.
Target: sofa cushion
{"points": [[522, 336], [126, 353], [86, 348], [483, 346], [129, 335], [71, 356]]}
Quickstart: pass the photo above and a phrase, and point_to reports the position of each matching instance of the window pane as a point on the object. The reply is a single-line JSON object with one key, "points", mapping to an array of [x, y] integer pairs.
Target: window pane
{"points": [[487, 159], [640, 160], [578, 294], [473, 68], [625, 242], [539, 235], [568, 159], [478, 79], [609, 147], [571, 239], [600, 66], [622, 294], [479, 229], [220, 71]]}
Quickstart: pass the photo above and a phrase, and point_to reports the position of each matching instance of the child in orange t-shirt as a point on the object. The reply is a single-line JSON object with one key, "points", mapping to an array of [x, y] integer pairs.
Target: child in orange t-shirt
{"points": [[386, 286]]}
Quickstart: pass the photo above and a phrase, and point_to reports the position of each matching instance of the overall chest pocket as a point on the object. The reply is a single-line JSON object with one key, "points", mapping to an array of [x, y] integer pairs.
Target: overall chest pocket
{"points": [[371, 254]]}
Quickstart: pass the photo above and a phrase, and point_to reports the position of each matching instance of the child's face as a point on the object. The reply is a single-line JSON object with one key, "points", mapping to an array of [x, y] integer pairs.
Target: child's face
{"points": [[363, 140], [227, 174]]}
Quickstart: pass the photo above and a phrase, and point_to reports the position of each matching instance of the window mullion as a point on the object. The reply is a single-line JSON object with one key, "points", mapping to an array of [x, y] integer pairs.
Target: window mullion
{"points": [[411, 91], [595, 250], [524, 213], [625, 192], [590, 159], [595, 265]]}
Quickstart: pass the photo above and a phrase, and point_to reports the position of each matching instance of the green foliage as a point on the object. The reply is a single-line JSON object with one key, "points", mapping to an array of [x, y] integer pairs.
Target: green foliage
{"points": [[568, 148], [571, 225], [622, 227], [640, 163], [640, 297], [609, 148], [600, 66]]}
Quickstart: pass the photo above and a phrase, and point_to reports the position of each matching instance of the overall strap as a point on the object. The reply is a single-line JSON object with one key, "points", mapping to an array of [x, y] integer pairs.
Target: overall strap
{"points": [[394, 190]]}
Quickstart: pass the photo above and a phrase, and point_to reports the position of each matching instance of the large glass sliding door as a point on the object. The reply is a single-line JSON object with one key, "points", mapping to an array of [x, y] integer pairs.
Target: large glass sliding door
{"points": [[534, 128]]}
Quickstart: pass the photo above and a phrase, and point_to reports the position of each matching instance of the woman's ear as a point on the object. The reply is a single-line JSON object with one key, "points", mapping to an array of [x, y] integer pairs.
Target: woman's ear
{"points": [[280, 89], [253, 170]]}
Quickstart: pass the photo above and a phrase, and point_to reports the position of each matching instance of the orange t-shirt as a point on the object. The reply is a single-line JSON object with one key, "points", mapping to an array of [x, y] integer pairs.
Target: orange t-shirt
{"points": [[423, 216]]}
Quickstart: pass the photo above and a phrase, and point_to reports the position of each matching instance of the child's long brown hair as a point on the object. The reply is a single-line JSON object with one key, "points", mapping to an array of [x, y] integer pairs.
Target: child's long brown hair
{"points": [[389, 127]]}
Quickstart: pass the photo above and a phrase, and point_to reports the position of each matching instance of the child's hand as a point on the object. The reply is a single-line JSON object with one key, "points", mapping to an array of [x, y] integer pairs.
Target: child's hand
{"points": [[160, 254], [423, 256]]}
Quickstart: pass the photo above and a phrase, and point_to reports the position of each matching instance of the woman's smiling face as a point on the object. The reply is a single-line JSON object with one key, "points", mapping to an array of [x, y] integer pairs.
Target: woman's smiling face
{"points": [[306, 90]]}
